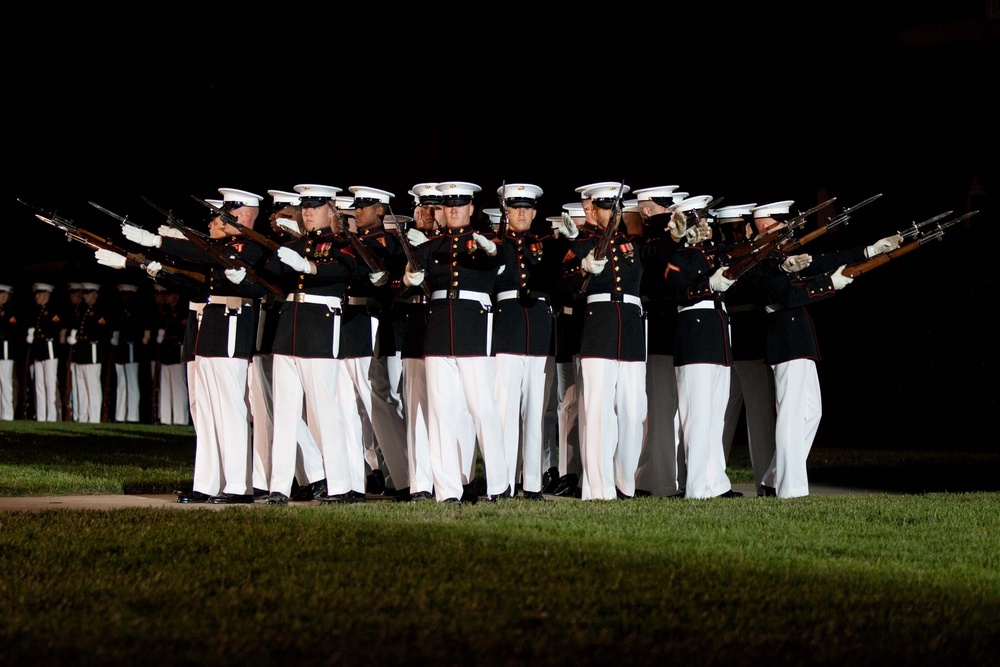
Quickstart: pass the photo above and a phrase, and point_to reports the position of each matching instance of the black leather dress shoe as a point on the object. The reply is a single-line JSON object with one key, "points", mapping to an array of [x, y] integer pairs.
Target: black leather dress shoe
{"points": [[566, 486], [344, 498], [765, 491], [375, 482], [232, 499], [276, 498], [401, 495], [421, 496], [193, 497], [260, 493], [550, 478], [452, 501], [730, 494], [621, 495], [506, 495], [533, 495], [309, 492], [643, 493], [470, 494]]}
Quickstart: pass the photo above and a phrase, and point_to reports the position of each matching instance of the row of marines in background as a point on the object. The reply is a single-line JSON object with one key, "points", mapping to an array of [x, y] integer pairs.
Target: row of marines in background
{"points": [[351, 347]]}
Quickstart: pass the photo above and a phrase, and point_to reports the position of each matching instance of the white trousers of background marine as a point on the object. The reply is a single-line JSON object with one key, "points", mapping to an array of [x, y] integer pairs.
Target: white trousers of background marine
{"points": [[800, 409], [173, 394], [46, 390], [752, 386], [387, 418], [613, 409], [222, 421], [661, 464], [521, 397], [418, 456], [702, 396], [89, 392], [6, 389], [127, 394], [473, 377]]}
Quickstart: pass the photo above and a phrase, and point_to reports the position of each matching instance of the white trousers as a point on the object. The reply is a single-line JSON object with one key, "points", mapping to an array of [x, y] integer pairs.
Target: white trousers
{"points": [[312, 383], [568, 411], [800, 409], [520, 393], [222, 421], [387, 416], [415, 406], [46, 390], [127, 393], [702, 395], [661, 464], [611, 417], [6, 389], [174, 401], [452, 381], [752, 387], [355, 398], [89, 392]]}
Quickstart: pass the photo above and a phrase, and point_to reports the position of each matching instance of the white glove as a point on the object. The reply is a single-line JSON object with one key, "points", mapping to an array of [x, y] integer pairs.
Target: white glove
{"points": [[289, 225], [71, 338], [31, 335], [567, 227], [141, 236], [489, 246], [161, 334], [718, 282], [153, 269], [415, 236], [236, 276], [114, 338], [795, 263], [413, 278], [294, 260], [173, 232], [145, 337], [592, 265], [379, 278], [887, 244], [110, 258], [699, 233], [677, 225], [839, 280]]}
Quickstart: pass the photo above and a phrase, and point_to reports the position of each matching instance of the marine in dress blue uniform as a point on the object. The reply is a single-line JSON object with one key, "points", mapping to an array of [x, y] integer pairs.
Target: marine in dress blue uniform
{"points": [[461, 266], [45, 326], [522, 339], [703, 357], [224, 345], [89, 341], [612, 351], [792, 347]]}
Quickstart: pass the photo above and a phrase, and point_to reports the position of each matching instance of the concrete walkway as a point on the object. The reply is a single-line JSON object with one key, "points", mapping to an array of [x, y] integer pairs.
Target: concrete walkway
{"points": [[109, 502]]}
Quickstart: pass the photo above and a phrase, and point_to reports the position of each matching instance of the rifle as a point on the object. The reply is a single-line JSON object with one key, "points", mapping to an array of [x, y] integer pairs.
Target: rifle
{"points": [[375, 265], [694, 215], [604, 242], [139, 260], [840, 219], [248, 232], [411, 258], [786, 234], [502, 227], [855, 270], [228, 261]]}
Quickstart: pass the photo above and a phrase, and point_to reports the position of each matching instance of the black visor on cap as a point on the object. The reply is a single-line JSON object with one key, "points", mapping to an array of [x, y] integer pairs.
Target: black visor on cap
{"points": [[604, 203], [365, 202], [314, 202], [431, 200], [232, 205], [662, 201], [520, 202], [456, 200]]}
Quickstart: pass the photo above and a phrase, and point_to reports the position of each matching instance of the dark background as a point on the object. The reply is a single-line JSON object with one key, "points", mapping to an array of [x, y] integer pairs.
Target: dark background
{"points": [[753, 106]]}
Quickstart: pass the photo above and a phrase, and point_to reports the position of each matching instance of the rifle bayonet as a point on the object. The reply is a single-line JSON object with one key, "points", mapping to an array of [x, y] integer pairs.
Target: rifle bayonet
{"points": [[914, 229]]}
